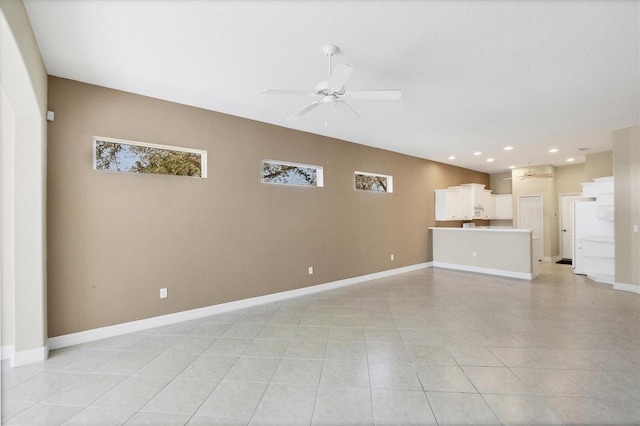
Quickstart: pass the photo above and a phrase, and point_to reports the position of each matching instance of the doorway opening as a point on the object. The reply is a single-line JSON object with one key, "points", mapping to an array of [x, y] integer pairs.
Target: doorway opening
{"points": [[566, 227]]}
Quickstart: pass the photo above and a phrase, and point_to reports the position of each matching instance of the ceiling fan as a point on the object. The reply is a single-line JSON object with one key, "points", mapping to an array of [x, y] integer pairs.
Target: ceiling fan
{"points": [[333, 91], [531, 174]]}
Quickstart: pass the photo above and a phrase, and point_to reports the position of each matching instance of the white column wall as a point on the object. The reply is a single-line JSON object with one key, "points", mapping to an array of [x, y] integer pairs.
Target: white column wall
{"points": [[23, 80], [7, 269]]}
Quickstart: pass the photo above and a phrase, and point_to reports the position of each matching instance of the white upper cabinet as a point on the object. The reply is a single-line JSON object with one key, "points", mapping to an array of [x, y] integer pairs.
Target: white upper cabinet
{"points": [[471, 201], [503, 206], [481, 202], [465, 206], [488, 205], [445, 200], [453, 204]]}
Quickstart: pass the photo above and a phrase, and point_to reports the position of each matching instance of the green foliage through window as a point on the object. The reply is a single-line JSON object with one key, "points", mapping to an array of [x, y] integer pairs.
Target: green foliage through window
{"points": [[146, 158], [372, 182], [291, 174]]}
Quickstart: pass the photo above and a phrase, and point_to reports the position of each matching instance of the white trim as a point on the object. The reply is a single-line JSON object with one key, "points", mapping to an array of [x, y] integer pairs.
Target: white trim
{"points": [[30, 356], [6, 352], [609, 280], [626, 287], [488, 271], [203, 153], [602, 279], [145, 324], [561, 216]]}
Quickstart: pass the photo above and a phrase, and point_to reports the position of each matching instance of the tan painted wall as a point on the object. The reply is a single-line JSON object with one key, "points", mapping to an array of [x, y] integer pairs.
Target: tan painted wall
{"points": [[569, 178], [626, 157], [498, 183], [599, 164], [115, 239]]}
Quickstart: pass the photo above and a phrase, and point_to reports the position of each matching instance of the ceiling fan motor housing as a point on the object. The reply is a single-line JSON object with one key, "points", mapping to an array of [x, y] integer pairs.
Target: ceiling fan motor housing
{"points": [[329, 49], [333, 92]]}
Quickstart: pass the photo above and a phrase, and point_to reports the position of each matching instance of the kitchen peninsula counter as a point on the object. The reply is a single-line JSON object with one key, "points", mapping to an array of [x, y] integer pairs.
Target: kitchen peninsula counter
{"points": [[495, 251]]}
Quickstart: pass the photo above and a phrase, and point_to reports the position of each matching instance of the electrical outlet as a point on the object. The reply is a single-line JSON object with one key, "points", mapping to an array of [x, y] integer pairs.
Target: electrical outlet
{"points": [[163, 293], [310, 270], [392, 257], [474, 254]]}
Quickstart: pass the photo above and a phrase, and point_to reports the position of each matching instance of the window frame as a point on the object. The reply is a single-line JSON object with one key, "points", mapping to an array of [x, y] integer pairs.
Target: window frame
{"points": [[203, 154], [319, 173], [388, 177]]}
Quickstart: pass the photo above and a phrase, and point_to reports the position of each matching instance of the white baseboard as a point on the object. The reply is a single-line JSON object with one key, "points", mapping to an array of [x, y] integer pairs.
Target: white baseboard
{"points": [[610, 280], [602, 279], [29, 356], [145, 324], [627, 287], [488, 271], [6, 352]]}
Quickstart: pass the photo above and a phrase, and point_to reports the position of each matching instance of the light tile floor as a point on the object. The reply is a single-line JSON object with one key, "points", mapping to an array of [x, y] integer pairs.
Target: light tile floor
{"points": [[426, 347]]}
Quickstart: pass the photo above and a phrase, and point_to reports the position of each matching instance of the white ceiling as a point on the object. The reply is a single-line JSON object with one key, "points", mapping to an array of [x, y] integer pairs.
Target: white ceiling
{"points": [[476, 76]]}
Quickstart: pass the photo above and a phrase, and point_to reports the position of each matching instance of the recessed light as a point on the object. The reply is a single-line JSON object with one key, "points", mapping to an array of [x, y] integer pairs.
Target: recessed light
{"points": [[553, 150], [512, 167], [508, 148], [570, 160], [489, 160], [477, 153], [452, 157]]}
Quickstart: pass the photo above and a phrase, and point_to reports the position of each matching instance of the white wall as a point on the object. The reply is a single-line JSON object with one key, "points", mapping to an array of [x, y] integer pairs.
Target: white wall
{"points": [[23, 80], [7, 270]]}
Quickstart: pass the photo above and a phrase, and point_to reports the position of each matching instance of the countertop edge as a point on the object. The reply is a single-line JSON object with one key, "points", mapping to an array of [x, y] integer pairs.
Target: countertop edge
{"points": [[439, 228]]}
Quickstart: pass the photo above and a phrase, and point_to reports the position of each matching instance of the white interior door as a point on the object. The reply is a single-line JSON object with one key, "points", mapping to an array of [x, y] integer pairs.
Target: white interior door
{"points": [[566, 224], [530, 216]]}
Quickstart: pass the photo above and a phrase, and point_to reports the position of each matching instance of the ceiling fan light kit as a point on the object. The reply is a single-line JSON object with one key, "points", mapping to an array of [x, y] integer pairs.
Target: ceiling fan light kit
{"points": [[531, 174], [332, 91]]}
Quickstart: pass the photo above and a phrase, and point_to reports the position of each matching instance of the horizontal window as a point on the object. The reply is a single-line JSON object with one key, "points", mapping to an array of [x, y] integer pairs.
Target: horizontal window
{"points": [[285, 173], [373, 182], [140, 157]]}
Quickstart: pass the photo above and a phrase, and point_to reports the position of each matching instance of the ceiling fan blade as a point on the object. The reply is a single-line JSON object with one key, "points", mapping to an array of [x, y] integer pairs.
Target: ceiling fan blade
{"points": [[544, 175], [288, 92], [507, 179], [339, 76], [303, 111], [352, 110], [376, 95]]}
